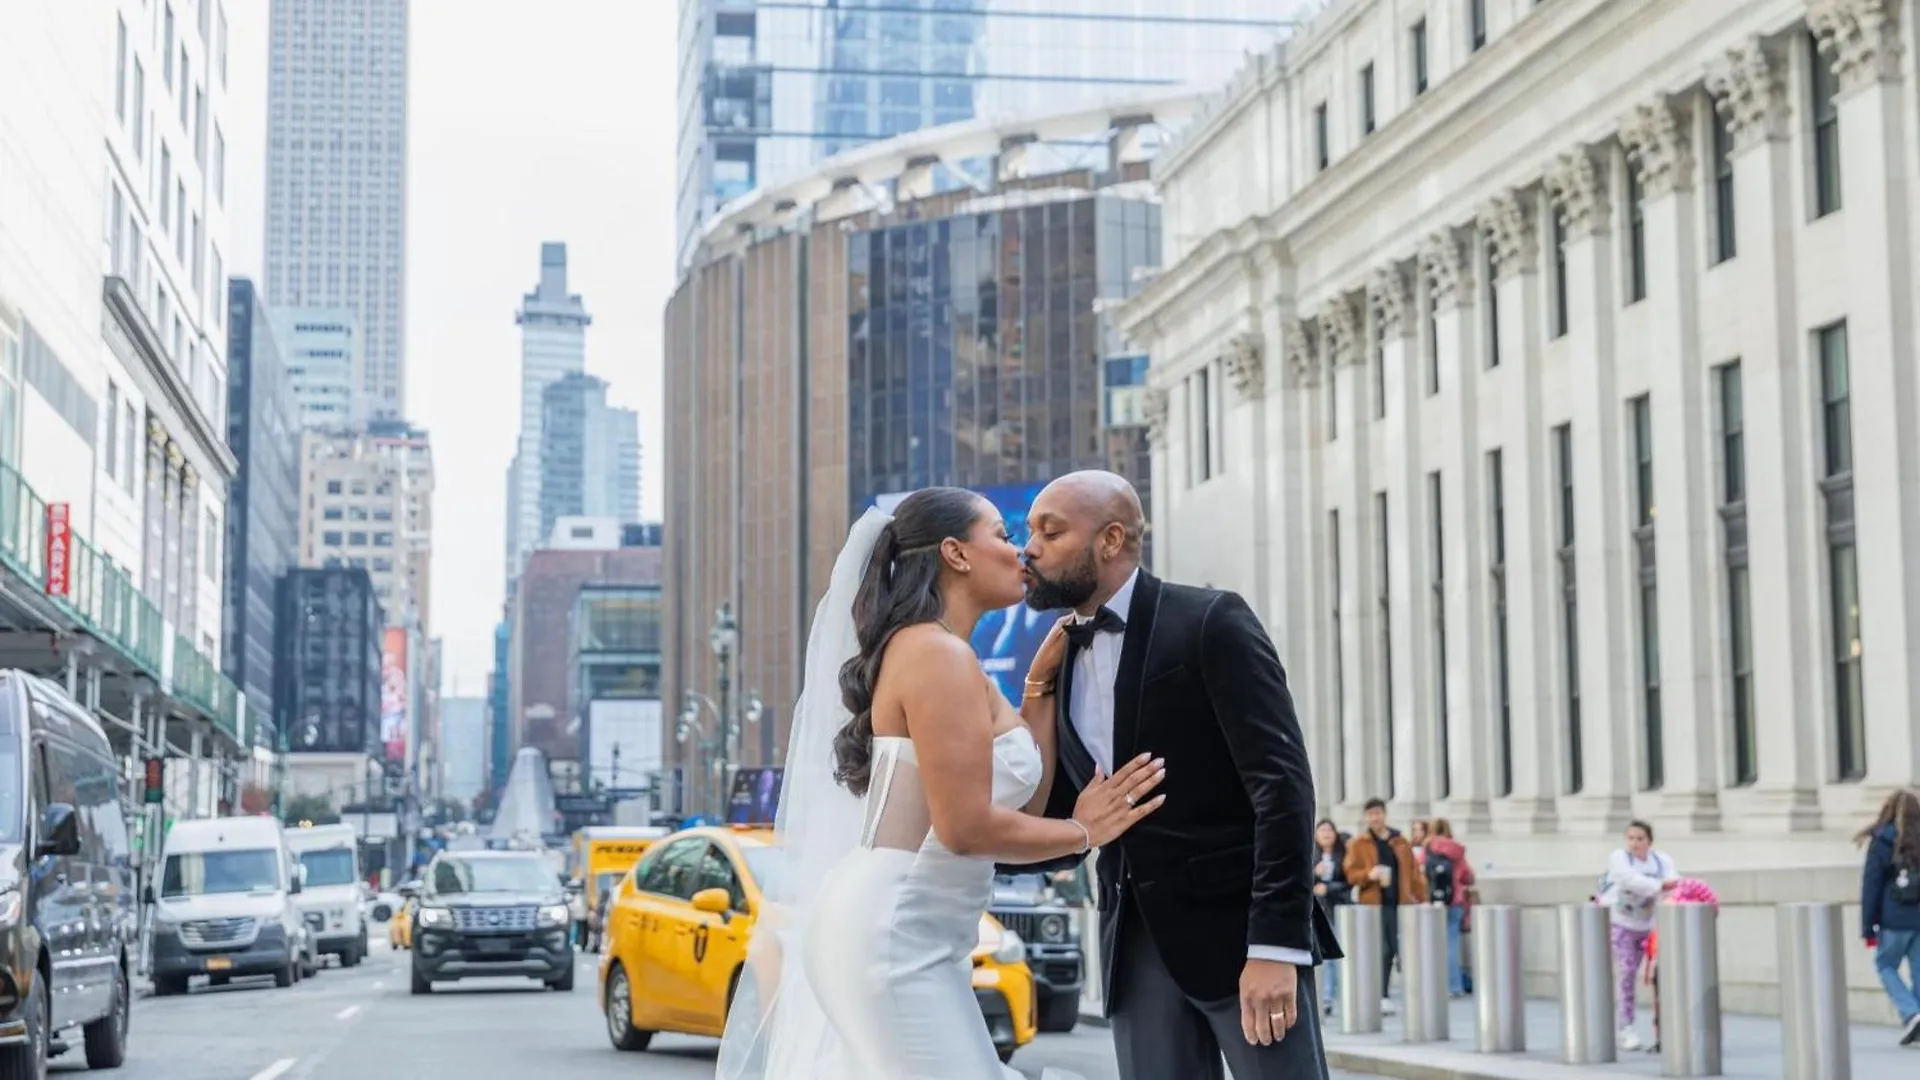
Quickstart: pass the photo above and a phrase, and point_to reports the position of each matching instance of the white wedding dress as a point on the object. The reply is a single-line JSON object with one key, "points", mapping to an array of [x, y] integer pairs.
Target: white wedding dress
{"points": [[890, 941], [860, 963]]}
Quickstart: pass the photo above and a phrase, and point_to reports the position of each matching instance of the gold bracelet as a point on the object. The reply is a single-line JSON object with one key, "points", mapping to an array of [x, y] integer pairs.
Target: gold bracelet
{"points": [[1038, 690]]}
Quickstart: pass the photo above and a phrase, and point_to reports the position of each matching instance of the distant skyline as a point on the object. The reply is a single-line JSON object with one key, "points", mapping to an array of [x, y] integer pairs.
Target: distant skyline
{"points": [[572, 140]]}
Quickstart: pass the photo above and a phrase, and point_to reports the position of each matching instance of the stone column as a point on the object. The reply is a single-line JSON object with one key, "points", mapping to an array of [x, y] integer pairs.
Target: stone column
{"points": [[1348, 457], [1415, 721], [170, 537], [1159, 411], [1658, 136], [1862, 40], [190, 553], [1309, 650], [1243, 364], [1510, 224], [1602, 535], [1446, 262], [1782, 520], [154, 515]]}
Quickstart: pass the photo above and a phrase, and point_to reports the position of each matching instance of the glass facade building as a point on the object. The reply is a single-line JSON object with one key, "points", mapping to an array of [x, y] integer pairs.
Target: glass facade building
{"points": [[769, 87]]}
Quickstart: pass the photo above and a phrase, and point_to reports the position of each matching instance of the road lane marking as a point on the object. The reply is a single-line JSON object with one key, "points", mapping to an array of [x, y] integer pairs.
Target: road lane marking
{"points": [[347, 1013], [380, 984], [276, 1070]]}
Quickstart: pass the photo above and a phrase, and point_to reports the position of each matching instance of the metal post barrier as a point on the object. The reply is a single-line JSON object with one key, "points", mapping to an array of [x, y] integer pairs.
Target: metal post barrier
{"points": [[1689, 976], [1093, 981], [1423, 963], [1499, 996], [1813, 992], [1586, 985], [1361, 987]]}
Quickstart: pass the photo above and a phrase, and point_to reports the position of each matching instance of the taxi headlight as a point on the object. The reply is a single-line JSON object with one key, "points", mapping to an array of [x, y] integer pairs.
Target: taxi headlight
{"points": [[555, 915], [432, 917], [1011, 949], [1053, 929]]}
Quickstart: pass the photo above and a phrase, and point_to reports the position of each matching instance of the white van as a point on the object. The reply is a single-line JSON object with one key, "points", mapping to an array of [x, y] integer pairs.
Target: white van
{"points": [[225, 905], [331, 897]]}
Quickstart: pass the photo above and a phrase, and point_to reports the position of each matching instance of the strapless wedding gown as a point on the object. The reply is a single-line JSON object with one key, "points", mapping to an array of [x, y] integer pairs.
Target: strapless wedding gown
{"points": [[890, 942]]}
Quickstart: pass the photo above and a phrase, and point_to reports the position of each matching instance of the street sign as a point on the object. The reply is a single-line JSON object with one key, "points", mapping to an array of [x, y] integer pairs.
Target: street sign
{"points": [[156, 781], [582, 804], [59, 549]]}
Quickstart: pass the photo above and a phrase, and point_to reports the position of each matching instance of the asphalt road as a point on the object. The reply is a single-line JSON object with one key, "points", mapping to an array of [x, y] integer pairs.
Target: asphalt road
{"points": [[364, 1022]]}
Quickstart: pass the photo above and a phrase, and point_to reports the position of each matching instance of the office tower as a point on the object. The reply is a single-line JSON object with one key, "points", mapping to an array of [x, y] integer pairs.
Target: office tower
{"points": [[323, 356], [590, 454], [337, 175], [553, 345]]}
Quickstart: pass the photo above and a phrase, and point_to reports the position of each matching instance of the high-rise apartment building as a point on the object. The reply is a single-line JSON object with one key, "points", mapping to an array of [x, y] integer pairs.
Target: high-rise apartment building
{"points": [[589, 456], [366, 502], [553, 345], [324, 362], [336, 175], [765, 92]]}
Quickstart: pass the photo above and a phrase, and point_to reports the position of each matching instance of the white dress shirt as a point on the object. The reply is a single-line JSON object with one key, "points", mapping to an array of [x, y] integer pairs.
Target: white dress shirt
{"points": [[1090, 709]]}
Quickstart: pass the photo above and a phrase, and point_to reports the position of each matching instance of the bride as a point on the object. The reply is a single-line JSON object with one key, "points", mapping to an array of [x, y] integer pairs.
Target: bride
{"points": [[908, 776]]}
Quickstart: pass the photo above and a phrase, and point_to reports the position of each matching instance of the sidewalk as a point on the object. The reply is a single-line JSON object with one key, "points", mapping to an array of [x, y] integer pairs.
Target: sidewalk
{"points": [[1750, 1050]]}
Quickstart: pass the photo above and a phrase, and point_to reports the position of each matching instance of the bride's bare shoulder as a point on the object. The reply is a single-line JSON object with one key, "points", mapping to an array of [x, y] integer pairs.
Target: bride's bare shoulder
{"points": [[928, 652]]}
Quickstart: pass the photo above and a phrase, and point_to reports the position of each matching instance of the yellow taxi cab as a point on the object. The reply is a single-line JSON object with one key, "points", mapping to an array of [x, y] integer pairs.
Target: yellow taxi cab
{"points": [[680, 923], [400, 927]]}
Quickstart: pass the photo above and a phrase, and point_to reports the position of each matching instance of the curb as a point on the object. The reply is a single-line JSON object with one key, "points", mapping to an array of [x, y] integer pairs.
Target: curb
{"points": [[1430, 1062]]}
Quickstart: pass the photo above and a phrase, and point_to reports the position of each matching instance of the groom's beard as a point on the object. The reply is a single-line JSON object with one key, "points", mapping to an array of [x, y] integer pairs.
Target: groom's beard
{"points": [[1072, 588]]}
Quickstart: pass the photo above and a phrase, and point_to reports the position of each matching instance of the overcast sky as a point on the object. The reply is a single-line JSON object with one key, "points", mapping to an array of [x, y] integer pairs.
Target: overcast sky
{"points": [[529, 121]]}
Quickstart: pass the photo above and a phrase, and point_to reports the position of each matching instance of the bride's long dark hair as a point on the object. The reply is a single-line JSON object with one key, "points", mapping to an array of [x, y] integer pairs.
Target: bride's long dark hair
{"points": [[899, 589]]}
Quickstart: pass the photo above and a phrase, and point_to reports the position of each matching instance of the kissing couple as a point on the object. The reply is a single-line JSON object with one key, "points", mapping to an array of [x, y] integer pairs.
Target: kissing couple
{"points": [[1155, 727]]}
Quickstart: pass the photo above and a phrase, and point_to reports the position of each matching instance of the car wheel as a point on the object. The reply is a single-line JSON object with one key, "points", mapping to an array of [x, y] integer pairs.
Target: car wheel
{"points": [[421, 984], [28, 1061], [170, 986], [564, 983], [288, 975], [619, 1008], [106, 1038]]}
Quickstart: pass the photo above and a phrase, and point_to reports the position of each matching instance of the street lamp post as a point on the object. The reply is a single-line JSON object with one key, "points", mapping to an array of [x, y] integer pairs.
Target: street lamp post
{"points": [[691, 730], [723, 638]]}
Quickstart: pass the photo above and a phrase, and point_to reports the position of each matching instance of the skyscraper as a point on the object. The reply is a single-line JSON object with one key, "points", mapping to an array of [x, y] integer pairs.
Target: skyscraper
{"points": [[553, 345], [590, 454], [337, 175], [322, 351], [767, 91]]}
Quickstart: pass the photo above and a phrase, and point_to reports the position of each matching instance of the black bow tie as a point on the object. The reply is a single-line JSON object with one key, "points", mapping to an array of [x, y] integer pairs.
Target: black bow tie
{"points": [[1080, 634]]}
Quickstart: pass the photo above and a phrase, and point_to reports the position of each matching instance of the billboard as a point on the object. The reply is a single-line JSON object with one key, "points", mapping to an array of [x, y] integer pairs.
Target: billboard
{"points": [[394, 695], [755, 797], [1005, 640]]}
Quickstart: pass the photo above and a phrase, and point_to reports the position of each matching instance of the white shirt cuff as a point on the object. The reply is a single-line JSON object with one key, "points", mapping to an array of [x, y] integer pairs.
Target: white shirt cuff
{"points": [[1296, 957]]}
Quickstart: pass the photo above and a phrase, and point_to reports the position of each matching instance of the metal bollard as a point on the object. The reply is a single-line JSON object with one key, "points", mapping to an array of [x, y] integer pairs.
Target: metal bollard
{"points": [[1689, 962], [1423, 963], [1586, 985], [1360, 988], [1813, 992], [1499, 996]]}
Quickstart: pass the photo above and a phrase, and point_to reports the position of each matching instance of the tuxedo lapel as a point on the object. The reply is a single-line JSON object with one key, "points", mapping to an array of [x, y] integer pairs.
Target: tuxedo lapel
{"points": [[1075, 760], [1133, 667]]}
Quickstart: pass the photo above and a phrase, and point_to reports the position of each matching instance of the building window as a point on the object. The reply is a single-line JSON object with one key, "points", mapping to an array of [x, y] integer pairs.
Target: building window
{"points": [[1333, 402], [1382, 549], [1636, 236], [1733, 516], [1497, 572], [1437, 573], [330, 539], [1724, 242], [139, 110], [9, 394], [1644, 506], [1322, 144], [331, 513], [356, 539], [1489, 275], [1418, 37], [1476, 25], [112, 414], [1569, 604], [1367, 121], [1843, 570], [1339, 662], [1559, 237], [212, 547], [1826, 132], [120, 70], [130, 447], [1200, 449], [1433, 341], [333, 487], [166, 46], [1646, 513], [1379, 379]]}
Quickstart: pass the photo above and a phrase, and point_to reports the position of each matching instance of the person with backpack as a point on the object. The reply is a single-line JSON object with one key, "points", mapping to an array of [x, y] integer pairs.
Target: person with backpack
{"points": [[1636, 878], [1890, 904], [1450, 883]]}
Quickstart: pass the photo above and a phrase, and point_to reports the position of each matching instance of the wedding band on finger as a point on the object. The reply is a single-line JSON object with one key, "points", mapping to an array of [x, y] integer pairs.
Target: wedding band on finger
{"points": [[1129, 799]]}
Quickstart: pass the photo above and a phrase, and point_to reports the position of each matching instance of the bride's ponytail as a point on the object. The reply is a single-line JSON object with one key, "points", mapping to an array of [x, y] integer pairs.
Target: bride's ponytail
{"points": [[899, 589]]}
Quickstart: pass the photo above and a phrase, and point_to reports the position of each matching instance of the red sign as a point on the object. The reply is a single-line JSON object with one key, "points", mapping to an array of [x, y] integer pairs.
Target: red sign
{"points": [[59, 550]]}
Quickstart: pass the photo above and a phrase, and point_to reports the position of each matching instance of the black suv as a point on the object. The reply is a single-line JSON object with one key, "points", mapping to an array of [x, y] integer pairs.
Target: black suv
{"points": [[67, 897], [1043, 910], [482, 914]]}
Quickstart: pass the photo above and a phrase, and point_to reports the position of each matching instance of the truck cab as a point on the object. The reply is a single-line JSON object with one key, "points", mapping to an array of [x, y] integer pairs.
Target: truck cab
{"points": [[331, 898]]}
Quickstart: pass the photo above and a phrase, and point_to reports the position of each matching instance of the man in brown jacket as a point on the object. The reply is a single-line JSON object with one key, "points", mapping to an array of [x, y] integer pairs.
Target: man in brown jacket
{"points": [[1381, 868]]}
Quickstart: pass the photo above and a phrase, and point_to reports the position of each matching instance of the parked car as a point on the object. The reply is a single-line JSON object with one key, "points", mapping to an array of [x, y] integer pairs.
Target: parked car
{"points": [[68, 921], [227, 905], [491, 913], [1037, 908]]}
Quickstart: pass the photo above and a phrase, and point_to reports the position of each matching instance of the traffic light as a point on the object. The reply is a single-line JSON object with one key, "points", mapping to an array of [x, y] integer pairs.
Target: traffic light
{"points": [[156, 781]]}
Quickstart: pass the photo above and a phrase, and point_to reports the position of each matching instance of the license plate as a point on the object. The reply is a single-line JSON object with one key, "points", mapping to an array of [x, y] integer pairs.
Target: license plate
{"points": [[492, 945], [219, 963]]}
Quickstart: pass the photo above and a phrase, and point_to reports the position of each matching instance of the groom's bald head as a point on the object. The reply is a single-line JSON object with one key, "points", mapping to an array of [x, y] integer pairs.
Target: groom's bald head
{"points": [[1099, 500]]}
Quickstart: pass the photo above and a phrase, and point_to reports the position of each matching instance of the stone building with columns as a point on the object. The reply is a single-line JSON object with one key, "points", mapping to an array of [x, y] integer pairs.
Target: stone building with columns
{"points": [[1545, 374]]}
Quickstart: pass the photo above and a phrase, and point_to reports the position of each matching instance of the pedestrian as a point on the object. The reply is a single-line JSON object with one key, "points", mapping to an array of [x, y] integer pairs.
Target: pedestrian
{"points": [[1331, 890], [1450, 883], [1381, 869], [1636, 878], [1890, 904], [1418, 834]]}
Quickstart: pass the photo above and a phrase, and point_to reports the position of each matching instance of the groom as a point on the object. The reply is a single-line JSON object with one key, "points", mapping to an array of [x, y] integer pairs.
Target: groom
{"points": [[1209, 933]]}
